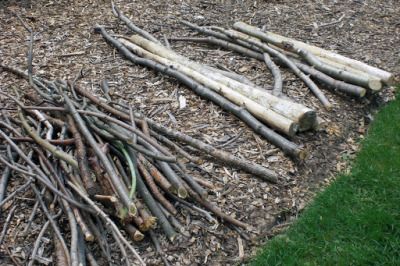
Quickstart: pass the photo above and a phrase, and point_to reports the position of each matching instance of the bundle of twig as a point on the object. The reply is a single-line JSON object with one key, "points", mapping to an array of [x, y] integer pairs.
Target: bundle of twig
{"points": [[234, 93], [81, 149]]}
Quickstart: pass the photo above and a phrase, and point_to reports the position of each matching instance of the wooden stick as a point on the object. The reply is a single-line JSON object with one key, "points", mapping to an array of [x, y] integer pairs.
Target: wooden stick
{"points": [[58, 142], [303, 116], [269, 116], [157, 175], [321, 77], [120, 188], [37, 244], [6, 223], [213, 33], [156, 192], [46, 145], [108, 221], [351, 89], [366, 82], [313, 87], [226, 158], [40, 175], [277, 91], [276, 39], [82, 159], [155, 209], [231, 75], [130, 24]]}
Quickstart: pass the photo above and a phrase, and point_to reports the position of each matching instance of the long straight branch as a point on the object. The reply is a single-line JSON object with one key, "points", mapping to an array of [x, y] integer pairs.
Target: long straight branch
{"points": [[286, 145]]}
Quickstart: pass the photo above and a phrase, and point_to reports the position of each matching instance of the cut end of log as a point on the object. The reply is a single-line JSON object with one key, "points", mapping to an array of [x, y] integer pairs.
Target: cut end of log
{"points": [[89, 237], [302, 155], [362, 93], [182, 193], [308, 120], [390, 81], [172, 237], [328, 106], [138, 236], [150, 223], [293, 129], [132, 210], [375, 84], [135, 234]]}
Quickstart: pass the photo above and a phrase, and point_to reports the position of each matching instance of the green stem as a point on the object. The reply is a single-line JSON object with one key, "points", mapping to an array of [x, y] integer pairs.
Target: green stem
{"points": [[131, 168]]}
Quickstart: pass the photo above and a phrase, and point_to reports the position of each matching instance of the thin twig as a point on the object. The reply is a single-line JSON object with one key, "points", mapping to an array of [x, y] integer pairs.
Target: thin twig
{"points": [[6, 223]]}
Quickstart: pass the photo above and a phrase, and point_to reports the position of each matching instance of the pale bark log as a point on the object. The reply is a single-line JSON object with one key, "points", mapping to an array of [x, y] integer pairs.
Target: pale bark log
{"points": [[289, 51], [321, 77], [361, 80], [277, 40], [300, 114], [231, 75], [272, 118], [286, 61], [211, 72], [336, 84], [288, 147]]}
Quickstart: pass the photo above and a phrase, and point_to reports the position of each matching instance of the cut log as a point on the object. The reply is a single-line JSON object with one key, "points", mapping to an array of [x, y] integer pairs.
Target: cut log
{"points": [[277, 40], [340, 73], [285, 60], [336, 84], [213, 33], [270, 117], [321, 77], [303, 116], [288, 147], [231, 75]]}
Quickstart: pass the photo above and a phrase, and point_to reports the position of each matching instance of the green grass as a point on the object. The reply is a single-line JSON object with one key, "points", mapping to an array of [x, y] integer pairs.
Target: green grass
{"points": [[356, 220]]}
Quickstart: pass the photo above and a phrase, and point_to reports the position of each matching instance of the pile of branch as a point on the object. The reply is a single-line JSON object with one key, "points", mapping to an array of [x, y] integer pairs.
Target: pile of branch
{"points": [[257, 107], [334, 70], [103, 165], [232, 92]]}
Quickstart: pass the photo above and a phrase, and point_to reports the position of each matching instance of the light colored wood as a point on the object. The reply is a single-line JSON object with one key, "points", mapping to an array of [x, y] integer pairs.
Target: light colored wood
{"points": [[257, 43], [277, 40], [300, 114], [270, 117], [340, 73], [350, 69]]}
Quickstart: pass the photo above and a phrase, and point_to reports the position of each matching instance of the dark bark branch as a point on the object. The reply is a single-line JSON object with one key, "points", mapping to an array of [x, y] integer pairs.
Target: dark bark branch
{"points": [[132, 26], [277, 91]]}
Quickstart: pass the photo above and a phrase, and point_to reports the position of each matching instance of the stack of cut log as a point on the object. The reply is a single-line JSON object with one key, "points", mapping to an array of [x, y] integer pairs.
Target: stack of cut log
{"points": [[258, 107]]}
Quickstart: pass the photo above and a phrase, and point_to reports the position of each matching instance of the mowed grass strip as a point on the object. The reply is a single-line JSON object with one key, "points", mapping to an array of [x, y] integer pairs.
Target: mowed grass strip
{"points": [[356, 220]]}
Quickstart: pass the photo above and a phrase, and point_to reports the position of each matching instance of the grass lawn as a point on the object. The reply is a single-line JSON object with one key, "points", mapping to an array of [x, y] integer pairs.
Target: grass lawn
{"points": [[356, 220]]}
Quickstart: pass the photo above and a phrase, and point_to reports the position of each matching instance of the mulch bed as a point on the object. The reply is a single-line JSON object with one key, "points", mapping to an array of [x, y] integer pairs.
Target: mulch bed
{"points": [[65, 43]]}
